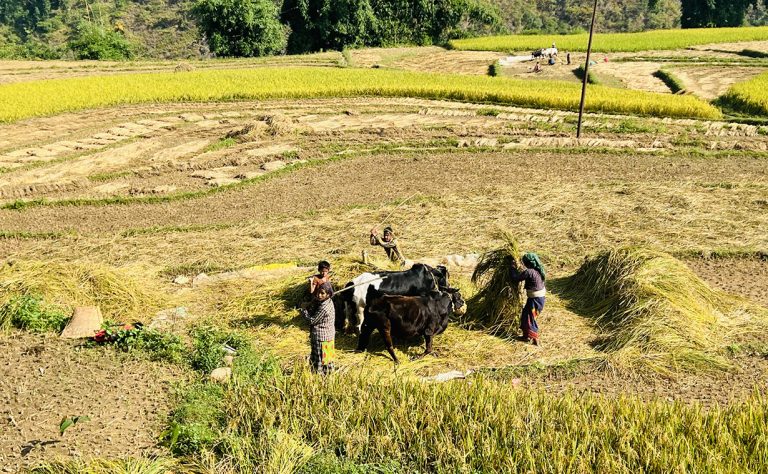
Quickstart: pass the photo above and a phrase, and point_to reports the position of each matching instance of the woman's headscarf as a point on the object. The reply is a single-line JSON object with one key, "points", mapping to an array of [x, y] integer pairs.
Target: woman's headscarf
{"points": [[531, 260]]}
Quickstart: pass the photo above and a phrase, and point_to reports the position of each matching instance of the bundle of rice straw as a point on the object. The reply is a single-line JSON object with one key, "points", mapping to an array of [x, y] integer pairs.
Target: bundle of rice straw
{"points": [[122, 294], [498, 303]]}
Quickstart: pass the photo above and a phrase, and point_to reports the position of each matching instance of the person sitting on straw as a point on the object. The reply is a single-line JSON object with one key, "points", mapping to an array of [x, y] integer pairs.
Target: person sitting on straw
{"points": [[323, 276], [534, 276], [389, 243], [321, 317]]}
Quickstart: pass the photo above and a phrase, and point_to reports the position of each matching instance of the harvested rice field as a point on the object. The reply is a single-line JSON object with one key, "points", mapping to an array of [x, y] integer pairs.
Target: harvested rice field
{"points": [[203, 220]]}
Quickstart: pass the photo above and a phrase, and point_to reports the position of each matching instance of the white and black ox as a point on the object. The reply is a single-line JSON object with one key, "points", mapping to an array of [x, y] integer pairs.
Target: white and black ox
{"points": [[420, 279]]}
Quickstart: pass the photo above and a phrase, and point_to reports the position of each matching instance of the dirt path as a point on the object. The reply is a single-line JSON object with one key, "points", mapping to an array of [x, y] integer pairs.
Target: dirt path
{"points": [[45, 379]]}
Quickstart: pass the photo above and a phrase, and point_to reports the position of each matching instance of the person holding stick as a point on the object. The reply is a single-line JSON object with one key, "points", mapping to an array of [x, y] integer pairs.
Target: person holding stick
{"points": [[322, 331], [389, 243]]}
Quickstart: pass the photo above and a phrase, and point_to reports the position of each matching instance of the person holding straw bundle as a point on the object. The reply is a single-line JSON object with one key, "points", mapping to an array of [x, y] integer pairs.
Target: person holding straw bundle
{"points": [[322, 331], [533, 276]]}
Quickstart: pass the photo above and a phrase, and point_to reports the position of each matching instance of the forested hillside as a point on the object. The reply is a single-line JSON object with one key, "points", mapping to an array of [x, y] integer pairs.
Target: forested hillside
{"points": [[124, 29]]}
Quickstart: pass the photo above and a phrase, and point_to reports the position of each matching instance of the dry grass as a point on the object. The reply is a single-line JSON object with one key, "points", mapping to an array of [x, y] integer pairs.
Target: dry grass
{"points": [[654, 310], [498, 303], [108, 466], [122, 294]]}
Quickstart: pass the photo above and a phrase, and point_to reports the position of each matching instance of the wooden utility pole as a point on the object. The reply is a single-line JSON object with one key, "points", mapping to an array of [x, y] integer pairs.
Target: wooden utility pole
{"points": [[586, 70]]}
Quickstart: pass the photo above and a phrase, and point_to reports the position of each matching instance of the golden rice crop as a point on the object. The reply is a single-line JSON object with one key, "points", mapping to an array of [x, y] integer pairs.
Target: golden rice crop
{"points": [[107, 466], [121, 295], [750, 96], [482, 426], [653, 309], [615, 42], [40, 98]]}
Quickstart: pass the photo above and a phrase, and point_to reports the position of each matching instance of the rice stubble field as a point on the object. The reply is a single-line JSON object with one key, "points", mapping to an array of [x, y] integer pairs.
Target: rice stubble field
{"points": [[120, 201]]}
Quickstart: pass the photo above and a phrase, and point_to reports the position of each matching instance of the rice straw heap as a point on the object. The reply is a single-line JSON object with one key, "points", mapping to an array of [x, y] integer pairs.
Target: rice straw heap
{"points": [[654, 311], [497, 305]]}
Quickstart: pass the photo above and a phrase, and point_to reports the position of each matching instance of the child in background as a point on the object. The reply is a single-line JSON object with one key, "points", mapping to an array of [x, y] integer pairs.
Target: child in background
{"points": [[323, 276], [389, 243], [322, 332]]}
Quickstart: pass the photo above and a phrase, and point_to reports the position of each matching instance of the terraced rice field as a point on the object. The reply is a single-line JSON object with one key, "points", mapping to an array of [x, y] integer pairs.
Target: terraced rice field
{"points": [[254, 192]]}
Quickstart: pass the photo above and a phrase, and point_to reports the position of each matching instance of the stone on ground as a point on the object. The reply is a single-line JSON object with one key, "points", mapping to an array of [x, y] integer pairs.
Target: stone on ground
{"points": [[221, 375], [168, 318], [182, 280]]}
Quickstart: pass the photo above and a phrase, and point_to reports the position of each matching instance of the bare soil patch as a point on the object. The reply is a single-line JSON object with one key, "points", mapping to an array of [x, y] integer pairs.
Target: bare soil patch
{"points": [[747, 277], [45, 379]]}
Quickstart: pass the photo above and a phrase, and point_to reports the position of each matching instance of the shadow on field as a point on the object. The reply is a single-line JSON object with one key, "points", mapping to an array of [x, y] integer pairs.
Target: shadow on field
{"points": [[562, 287]]}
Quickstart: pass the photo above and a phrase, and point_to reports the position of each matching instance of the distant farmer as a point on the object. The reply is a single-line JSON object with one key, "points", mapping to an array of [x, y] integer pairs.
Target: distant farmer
{"points": [[533, 276], [389, 243], [567, 57], [321, 317], [323, 276], [537, 67]]}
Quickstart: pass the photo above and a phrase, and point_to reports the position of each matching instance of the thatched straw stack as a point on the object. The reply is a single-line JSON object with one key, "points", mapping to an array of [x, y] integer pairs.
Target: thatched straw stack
{"points": [[121, 294], [497, 305], [654, 310]]}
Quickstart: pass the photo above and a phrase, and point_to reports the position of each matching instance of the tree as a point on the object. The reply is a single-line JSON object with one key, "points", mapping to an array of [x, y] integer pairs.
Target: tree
{"points": [[709, 13], [241, 27]]}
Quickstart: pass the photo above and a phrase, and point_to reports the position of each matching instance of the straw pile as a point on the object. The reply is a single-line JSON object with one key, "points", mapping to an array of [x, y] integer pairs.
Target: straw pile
{"points": [[654, 311], [497, 304], [121, 294]]}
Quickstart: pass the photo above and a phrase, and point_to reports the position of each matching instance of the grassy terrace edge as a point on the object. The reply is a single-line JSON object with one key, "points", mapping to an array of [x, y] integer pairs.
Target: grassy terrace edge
{"points": [[616, 42], [50, 97], [749, 97]]}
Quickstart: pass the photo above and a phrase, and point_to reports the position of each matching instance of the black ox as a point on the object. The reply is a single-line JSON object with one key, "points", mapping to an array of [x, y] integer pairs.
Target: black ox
{"points": [[408, 316]]}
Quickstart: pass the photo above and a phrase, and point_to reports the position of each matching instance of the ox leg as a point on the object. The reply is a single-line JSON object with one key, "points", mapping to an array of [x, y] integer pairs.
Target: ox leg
{"points": [[360, 319], [385, 332], [427, 350], [365, 337], [428, 344]]}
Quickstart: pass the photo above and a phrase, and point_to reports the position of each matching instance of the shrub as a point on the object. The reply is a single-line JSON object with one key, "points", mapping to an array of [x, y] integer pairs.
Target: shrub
{"points": [[579, 72], [157, 345], [29, 312], [673, 82], [494, 69], [95, 42]]}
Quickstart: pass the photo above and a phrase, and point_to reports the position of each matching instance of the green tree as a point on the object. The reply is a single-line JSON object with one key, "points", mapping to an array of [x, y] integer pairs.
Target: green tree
{"points": [[757, 14], [713, 13], [241, 27]]}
